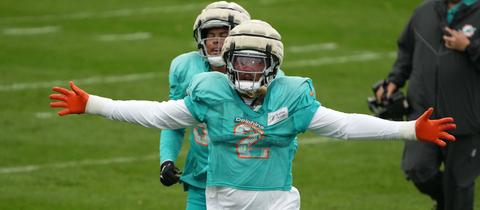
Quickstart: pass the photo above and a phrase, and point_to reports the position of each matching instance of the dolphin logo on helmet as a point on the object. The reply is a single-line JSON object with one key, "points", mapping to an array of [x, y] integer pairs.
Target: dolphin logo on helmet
{"points": [[217, 14]]}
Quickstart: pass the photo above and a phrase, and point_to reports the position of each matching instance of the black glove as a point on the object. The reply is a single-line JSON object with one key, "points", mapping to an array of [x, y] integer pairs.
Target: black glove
{"points": [[169, 174]]}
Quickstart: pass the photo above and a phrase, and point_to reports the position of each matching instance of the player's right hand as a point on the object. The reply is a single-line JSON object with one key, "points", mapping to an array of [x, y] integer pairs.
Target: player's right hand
{"points": [[169, 174], [73, 101]]}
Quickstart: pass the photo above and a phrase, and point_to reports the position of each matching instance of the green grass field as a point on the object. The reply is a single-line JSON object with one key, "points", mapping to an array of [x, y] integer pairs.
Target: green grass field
{"points": [[122, 49]]}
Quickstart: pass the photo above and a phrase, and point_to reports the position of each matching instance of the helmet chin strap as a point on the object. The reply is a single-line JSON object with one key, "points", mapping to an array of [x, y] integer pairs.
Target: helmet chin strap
{"points": [[250, 89], [216, 61]]}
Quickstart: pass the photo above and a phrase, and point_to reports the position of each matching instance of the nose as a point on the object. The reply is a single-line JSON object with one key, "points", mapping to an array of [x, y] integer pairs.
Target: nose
{"points": [[247, 68], [246, 76]]}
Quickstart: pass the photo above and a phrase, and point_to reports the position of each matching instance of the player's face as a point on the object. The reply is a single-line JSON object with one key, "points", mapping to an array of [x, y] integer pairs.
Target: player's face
{"points": [[214, 40], [248, 67]]}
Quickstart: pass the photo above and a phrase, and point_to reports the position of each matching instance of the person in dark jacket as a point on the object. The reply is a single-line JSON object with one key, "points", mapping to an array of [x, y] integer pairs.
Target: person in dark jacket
{"points": [[439, 55]]}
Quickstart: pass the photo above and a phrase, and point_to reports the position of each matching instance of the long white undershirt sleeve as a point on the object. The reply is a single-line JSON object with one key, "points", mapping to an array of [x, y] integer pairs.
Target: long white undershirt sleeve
{"points": [[331, 123], [172, 114]]}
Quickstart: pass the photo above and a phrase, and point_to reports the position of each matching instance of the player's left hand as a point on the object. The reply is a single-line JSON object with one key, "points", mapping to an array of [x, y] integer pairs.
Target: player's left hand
{"points": [[73, 101], [456, 41], [434, 130], [169, 173]]}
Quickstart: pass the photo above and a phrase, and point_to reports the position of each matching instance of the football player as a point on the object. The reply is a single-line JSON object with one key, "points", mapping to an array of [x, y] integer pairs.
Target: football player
{"points": [[210, 29], [252, 116]]}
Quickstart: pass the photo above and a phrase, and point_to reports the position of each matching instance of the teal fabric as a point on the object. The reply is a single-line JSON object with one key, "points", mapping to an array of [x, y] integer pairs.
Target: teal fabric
{"points": [[182, 69], [196, 198], [451, 12], [280, 73], [249, 150]]}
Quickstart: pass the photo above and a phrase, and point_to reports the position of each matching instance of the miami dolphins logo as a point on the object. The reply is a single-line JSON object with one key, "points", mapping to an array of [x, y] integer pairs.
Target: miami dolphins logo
{"points": [[468, 30]]}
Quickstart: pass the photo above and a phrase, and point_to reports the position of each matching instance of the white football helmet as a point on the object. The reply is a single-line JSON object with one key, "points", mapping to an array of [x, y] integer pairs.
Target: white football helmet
{"points": [[253, 52], [215, 15]]}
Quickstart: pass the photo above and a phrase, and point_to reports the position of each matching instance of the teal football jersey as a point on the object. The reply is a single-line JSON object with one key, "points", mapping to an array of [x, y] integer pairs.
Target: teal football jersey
{"points": [[251, 150], [183, 68]]}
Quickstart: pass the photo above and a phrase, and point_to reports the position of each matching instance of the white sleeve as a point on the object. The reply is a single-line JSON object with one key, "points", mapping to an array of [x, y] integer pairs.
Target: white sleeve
{"points": [[171, 114], [331, 123]]}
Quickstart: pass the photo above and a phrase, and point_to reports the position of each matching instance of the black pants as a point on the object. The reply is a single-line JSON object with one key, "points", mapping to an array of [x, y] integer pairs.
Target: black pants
{"points": [[453, 188]]}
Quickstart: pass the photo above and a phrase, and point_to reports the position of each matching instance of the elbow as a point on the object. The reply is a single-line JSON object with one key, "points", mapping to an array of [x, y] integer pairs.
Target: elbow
{"points": [[341, 134], [344, 136]]}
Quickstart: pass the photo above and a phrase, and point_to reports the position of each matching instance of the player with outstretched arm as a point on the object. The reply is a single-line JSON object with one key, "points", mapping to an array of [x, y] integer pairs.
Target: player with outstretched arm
{"points": [[252, 117]]}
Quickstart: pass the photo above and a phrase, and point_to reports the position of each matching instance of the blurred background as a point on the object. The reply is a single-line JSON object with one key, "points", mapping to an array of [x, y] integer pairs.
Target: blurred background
{"points": [[122, 49]]}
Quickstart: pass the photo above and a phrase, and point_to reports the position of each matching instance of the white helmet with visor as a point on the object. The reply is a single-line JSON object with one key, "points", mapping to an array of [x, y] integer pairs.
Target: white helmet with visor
{"points": [[253, 52]]}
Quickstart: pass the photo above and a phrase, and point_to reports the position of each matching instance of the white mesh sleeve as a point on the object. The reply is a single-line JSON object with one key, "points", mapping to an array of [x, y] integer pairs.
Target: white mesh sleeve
{"points": [[171, 114], [331, 123]]}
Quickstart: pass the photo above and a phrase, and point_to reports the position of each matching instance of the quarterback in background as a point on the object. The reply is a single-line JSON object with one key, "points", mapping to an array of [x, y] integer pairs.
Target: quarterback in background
{"points": [[252, 116]]}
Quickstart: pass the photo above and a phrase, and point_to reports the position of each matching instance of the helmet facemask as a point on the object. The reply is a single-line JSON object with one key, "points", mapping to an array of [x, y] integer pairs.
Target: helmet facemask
{"points": [[251, 71], [211, 47], [220, 14], [253, 52]]}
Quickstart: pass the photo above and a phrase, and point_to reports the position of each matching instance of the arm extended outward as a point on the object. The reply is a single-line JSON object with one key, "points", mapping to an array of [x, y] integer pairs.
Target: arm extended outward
{"points": [[163, 115], [328, 122]]}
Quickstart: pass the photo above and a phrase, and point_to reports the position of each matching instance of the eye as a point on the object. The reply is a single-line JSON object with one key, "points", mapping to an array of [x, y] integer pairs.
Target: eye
{"points": [[251, 64], [224, 34]]}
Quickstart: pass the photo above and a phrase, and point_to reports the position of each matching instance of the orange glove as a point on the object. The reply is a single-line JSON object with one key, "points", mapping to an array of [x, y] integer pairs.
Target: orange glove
{"points": [[434, 130], [74, 101]]}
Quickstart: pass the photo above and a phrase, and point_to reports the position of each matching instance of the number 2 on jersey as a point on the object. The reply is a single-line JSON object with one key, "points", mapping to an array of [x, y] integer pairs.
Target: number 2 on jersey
{"points": [[245, 146]]}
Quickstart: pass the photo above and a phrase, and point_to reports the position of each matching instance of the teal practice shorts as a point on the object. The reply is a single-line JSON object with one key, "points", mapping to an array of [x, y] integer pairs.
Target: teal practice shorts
{"points": [[196, 199]]}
